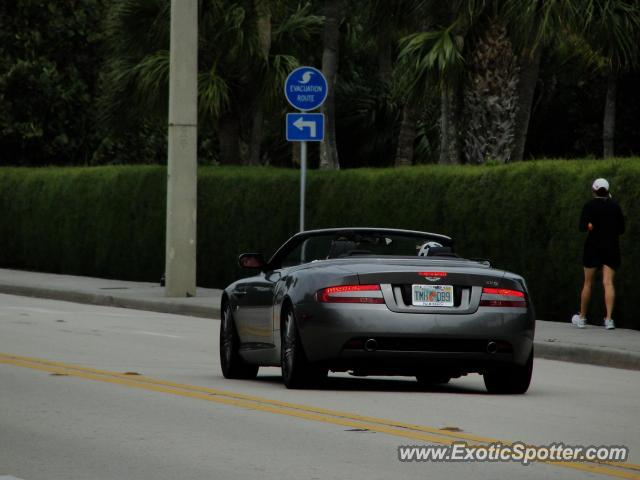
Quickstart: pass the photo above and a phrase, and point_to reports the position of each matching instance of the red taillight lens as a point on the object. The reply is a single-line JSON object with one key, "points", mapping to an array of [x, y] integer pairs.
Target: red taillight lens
{"points": [[503, 291], [350, 294], [433, 274], [502, 297]]}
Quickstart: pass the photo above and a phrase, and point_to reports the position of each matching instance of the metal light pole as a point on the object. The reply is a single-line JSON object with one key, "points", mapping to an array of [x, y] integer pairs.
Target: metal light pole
{"points": [[180, 260]]}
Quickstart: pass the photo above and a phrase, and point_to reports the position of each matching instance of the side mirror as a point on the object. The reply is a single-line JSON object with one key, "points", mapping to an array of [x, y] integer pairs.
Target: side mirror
{"points": [[251, 260]]}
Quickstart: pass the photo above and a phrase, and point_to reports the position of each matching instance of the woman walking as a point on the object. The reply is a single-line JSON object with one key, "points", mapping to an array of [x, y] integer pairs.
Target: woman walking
{"points": [[603, 220]]}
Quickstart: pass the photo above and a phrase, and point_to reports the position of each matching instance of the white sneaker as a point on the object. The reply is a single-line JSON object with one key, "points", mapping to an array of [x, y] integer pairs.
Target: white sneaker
{"points": [[578, 321], [608, 324]]}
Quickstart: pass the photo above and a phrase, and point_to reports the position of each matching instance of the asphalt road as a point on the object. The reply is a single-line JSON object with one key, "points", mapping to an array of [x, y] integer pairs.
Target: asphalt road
{"points": [[104, 393]]}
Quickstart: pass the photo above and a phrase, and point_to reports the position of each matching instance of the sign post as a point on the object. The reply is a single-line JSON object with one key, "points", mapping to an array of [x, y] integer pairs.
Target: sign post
{"points": [[305, 89], [303, 181]]}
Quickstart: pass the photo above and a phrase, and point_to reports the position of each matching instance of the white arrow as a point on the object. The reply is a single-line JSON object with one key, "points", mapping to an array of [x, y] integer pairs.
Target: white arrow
{"points": [[300, 124]]}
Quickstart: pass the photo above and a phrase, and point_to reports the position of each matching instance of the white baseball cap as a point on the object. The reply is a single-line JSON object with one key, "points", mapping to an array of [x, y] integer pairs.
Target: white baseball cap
{"points": [[600, 183]]}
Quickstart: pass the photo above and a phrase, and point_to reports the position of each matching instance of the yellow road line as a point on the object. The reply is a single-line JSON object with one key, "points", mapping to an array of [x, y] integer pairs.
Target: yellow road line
{"points": [[628, 466], [241, 396], [389, 427]]}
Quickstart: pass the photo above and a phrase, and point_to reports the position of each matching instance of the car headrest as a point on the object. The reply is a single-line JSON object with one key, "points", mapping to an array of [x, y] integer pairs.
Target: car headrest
{"points": [[441, 251], [341, 247]]}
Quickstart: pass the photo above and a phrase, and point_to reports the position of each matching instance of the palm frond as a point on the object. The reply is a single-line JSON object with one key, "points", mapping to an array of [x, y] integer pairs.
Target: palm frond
{"points": [[301, 26], [152, 81], [612, 27], [535, 24], [427, 60], [137, 27], [213, 93]]}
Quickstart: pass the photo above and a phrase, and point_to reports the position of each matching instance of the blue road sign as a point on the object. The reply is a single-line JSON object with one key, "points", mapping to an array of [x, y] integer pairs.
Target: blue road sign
{"points": [[305, 88], [305, 127]]}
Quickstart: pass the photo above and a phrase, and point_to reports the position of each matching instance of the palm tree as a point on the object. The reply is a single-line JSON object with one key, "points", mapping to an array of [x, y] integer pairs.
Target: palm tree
{"points": [[407, 135], [331, 41], [612, 28], [240, 64], [532, 25], [427, 61], [433, 61], [490, 97], [285, 30], [263, 29], [387, 22], [365, 110], [231, 50], [528, 27], [536, 26]]}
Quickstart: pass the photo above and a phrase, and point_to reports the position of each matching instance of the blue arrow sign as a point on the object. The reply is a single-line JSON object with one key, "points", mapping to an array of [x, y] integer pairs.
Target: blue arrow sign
{"points": [[305, 127], [305, 88]]}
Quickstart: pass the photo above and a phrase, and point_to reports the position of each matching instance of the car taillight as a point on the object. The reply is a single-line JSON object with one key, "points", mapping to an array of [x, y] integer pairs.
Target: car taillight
{"points": [[350, 294], [502, 297]]}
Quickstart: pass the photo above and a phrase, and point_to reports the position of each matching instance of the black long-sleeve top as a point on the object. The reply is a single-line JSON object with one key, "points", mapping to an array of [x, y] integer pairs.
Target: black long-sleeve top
{"points": [[606, 217]]}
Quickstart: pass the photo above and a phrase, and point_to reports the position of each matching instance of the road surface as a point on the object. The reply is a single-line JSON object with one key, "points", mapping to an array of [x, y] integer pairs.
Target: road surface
{"points": [[94, 393]]}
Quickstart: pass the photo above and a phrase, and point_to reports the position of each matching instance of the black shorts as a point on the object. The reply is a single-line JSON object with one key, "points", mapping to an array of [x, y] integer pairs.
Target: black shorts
{"points": [[596, 256]]}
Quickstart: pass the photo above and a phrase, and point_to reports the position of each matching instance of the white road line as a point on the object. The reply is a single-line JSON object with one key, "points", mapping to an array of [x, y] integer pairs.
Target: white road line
{"points": [[155, 334], [53, 311]]}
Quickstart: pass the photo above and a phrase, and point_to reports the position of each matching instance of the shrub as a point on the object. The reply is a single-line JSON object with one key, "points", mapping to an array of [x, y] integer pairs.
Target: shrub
{"points": [[110, 221]]}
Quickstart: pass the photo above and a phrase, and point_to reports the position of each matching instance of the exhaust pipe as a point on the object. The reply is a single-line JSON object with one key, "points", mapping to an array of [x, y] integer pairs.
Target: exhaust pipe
{"points": [[371, 345], [492, 347]]}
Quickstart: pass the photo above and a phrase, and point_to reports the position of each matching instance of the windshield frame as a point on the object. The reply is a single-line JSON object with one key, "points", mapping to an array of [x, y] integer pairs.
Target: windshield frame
{"points": [[275, 262]]}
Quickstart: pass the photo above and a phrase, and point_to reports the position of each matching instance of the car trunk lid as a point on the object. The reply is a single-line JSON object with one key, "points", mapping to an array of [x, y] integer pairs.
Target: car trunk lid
{"points": [[446, 287]]}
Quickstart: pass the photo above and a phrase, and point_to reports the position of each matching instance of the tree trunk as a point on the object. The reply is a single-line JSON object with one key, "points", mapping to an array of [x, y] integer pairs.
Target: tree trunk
{"points": [[609, 123], [263, 12], [491, 97], [450, 111], [385, 61], [296, 154], [407, 136], [328, 148], [450, 125], [528, 79], [229, 138], [256, 136]]}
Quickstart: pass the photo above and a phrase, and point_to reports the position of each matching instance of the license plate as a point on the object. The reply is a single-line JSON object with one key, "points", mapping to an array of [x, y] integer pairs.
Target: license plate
{"points": [[432, 295]]}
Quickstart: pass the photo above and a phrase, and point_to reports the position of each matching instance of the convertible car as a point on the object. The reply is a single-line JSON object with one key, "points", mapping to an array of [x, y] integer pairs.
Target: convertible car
{"points": [[376, 301]]}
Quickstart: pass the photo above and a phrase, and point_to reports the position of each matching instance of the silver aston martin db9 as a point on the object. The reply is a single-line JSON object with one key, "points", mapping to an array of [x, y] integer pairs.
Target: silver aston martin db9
{"points": [[377, 301]]}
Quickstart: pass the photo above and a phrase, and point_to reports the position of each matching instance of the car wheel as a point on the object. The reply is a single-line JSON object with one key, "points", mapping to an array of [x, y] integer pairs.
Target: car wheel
{"points": [[513, 379], [233, 366], [433, 378], [297, 372]]}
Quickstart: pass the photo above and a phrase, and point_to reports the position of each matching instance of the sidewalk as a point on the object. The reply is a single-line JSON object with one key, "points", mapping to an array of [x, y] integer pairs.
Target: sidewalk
{"points": [[618, 348], [113, 293]]}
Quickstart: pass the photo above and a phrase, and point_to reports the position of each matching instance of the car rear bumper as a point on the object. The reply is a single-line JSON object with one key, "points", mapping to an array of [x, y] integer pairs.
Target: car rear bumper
{"points": [[331, 335]]}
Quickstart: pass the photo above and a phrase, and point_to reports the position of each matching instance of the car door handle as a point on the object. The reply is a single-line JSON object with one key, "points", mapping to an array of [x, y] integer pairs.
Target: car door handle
{"points": [[240, 293]]}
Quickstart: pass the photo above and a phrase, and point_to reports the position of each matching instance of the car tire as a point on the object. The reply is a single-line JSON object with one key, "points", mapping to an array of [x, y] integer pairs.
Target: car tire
{"points": [[433, 379], [512, 379], [297, 371], [233, 366]]}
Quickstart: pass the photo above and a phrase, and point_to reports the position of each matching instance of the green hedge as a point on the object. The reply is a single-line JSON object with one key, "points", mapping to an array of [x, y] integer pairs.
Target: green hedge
{"points": [[109, 221]]}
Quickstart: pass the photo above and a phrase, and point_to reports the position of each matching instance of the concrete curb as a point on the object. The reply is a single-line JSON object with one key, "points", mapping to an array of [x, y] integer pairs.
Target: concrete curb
{"points": [[601, 356], [152, 305]]}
